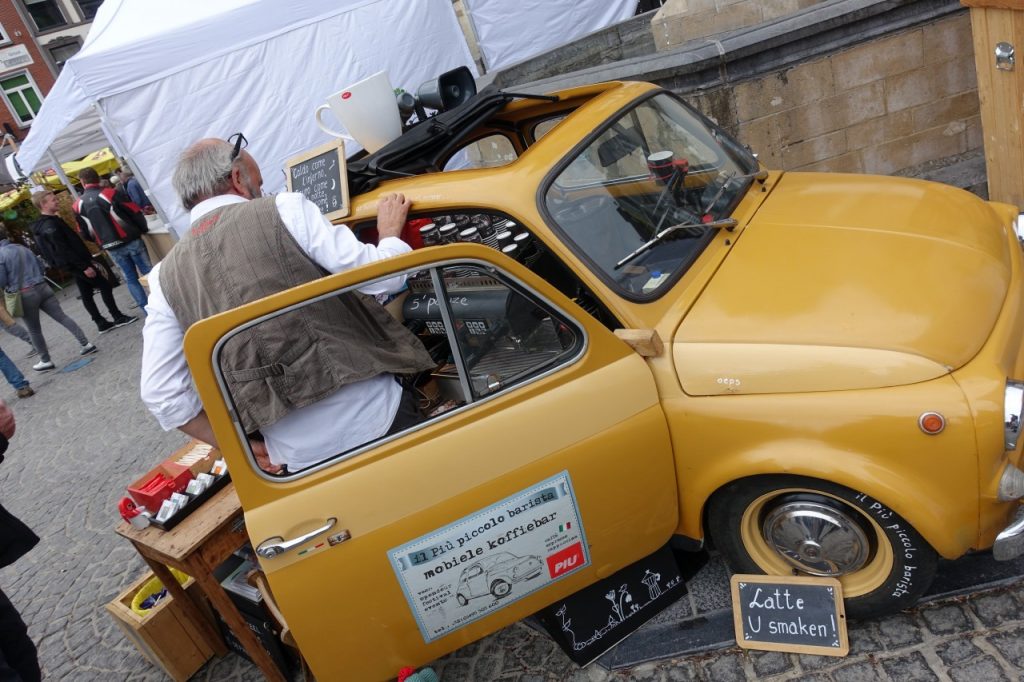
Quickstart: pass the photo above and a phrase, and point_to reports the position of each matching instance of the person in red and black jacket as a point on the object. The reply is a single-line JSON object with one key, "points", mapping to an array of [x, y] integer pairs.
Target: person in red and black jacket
{"points": [[60, 247], [116, 224]]}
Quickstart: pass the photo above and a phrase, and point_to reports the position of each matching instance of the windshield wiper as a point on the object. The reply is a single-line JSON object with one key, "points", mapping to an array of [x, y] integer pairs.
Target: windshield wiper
{"points": [[727, 223], [759, 175]]}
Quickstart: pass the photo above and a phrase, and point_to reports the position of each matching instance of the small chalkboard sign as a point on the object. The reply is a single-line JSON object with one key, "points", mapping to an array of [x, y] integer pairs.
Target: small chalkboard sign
{"points": [[590, 622], [790, 613], [321, 175]]}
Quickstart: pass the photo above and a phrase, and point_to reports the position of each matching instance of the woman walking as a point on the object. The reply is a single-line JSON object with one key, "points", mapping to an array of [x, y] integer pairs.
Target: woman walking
{"points": [[19, 271]]}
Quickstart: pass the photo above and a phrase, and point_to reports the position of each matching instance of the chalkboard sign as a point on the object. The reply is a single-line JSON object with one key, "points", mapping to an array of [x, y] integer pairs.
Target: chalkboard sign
{"points": [[799, 614], [320, 174], [593, 620]]}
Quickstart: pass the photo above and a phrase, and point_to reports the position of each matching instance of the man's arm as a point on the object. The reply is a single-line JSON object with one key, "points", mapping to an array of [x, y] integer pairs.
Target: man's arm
{"points": [[199, 427], [166, 383], [335, 247]]}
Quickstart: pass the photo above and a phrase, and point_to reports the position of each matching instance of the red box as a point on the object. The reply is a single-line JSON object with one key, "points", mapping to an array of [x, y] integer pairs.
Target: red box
{"points": [[157, 485]]}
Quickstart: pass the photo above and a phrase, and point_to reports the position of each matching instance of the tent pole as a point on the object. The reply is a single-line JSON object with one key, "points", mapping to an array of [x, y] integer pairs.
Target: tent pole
{"points": [[60, 173], [119, 147]]}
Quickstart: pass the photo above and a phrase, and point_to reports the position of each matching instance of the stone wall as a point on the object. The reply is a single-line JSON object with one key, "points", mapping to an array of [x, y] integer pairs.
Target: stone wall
{"points": [[679, 21], [873, 86], [880, 107]]}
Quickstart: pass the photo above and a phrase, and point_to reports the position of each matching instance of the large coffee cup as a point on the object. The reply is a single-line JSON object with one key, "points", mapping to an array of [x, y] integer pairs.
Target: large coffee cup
{"points": [[367, 110]]}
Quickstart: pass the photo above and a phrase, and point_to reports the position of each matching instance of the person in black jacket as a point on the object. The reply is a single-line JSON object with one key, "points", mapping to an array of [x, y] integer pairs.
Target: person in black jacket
{"points": [[116, 224], [19, 659], [61, 247]]}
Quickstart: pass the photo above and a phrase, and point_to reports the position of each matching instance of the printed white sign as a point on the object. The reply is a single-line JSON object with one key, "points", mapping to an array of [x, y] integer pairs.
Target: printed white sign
{"points": [[13, 57], [492, 558]]}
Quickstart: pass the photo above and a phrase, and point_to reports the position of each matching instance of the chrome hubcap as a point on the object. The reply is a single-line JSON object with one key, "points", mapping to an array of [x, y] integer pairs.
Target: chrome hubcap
{"points": [[817, 538]]}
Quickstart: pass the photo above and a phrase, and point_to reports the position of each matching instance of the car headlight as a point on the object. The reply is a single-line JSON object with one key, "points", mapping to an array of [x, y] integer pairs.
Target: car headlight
{"points": [[1013, 411]]}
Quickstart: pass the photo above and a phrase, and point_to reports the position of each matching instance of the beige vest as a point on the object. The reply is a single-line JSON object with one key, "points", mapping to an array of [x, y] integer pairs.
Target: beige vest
{"points": [[242, 252]]}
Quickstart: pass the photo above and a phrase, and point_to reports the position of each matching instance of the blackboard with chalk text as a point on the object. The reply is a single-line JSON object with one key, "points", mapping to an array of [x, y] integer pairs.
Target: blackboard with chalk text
{"points": [[798, 614], [320, 174]]}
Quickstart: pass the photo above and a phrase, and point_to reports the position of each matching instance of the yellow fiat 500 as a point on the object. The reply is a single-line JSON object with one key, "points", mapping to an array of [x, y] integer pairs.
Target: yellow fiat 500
{"points": [[643, 337]]}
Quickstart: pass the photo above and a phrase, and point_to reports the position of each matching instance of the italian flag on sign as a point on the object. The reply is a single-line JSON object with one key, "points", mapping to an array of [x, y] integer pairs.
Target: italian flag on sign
{"points": [[564, 527]]}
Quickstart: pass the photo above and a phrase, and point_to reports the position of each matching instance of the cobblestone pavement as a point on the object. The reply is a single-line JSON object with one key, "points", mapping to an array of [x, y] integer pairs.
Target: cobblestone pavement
{"points": [[85, 436]]}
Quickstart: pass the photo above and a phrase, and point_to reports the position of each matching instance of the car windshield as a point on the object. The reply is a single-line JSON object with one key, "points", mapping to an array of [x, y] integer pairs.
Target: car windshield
{"points": [[643, 199]]}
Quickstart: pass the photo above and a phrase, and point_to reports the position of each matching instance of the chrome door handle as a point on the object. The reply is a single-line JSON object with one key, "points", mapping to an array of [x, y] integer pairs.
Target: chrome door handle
{"points": [[275, 546]]}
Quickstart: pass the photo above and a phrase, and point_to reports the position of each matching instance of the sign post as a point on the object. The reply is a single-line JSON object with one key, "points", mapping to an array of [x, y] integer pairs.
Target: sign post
{"points": [[790, 613]]}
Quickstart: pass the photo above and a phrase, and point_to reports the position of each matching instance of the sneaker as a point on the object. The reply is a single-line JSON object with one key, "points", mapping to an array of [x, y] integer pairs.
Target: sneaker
{"points": [[32, 353], [26, 392], [43, 366], [124, 320], [104, 326], [87, 349]]}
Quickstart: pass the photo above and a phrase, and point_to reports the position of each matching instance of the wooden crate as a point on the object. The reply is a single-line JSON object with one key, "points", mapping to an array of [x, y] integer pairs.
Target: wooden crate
{"points": [[165, 635]]}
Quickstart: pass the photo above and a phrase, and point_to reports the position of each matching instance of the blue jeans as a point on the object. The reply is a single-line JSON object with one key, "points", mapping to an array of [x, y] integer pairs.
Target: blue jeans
{"points": [[134, 262], [11, 373]]}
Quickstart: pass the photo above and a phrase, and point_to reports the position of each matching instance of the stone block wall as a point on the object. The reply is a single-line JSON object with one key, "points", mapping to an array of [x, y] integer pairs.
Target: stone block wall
{"points": [[881, 106], [679, 21]]}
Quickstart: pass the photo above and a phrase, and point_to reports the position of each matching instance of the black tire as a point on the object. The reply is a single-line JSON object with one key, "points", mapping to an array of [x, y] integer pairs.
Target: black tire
{"points": [[900, 564], [500, 588], [461, 598]]}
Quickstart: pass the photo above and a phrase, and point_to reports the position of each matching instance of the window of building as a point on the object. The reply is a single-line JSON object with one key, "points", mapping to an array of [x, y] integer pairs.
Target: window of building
{"points": [[45, 14], [88, 8], [22, 96], [4, 38], [62, 52]]}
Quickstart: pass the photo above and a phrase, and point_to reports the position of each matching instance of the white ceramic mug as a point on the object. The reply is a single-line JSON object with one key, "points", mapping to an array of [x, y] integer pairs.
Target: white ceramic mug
{"points": [[368, 110]]}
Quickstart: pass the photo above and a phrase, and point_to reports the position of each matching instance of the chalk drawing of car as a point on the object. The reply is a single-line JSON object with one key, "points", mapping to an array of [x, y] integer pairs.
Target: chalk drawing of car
{"points": [[495, 576]]}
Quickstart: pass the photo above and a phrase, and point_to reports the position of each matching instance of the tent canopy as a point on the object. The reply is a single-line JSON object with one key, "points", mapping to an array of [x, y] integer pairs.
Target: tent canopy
{"points": [[163, 75]]}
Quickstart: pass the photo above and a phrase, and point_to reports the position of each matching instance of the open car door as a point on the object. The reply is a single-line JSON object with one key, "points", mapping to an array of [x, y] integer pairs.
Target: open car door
{"points": [[545, 466]]}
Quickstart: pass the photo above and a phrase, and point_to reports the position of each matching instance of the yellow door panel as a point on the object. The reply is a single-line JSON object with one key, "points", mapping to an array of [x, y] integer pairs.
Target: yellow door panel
{"points": [[482, 516]]}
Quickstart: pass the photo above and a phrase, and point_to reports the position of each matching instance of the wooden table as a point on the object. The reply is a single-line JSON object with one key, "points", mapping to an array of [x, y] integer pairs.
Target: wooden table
{"points": [[196, 546]]}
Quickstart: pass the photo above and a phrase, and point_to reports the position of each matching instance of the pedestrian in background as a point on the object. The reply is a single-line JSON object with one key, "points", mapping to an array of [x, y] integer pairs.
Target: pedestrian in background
{"points": [[117, 226], [134, 189], [62, 248], [19, 272], [19, 659]]}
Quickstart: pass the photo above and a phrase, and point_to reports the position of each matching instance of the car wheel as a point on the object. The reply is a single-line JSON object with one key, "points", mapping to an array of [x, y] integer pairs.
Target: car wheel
{"points": [[790, 525], [500, 588], [461, 598]]}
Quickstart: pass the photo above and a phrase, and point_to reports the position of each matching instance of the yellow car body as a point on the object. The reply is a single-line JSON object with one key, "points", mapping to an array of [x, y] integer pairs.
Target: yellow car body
{"points": [[805, 342]]}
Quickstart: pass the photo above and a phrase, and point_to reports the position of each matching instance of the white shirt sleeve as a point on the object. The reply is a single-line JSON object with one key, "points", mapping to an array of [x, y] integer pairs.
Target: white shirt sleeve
{"points": [[335, 247], [166, 384]]}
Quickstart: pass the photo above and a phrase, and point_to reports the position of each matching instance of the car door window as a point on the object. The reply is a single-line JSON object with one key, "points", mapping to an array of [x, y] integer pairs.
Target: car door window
{"points": [[484, 332], [488, 152]]}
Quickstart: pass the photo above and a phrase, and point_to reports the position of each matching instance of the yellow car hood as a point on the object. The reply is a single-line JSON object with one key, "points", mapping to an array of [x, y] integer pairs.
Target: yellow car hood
{"points": [[848, 281]]}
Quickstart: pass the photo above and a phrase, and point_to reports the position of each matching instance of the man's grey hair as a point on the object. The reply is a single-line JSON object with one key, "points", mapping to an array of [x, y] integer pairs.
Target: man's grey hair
{"points": [[204, 171]]}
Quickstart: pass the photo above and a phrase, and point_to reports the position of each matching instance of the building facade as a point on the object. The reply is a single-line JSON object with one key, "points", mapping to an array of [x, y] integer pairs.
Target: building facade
{"points": [[36, 38]]}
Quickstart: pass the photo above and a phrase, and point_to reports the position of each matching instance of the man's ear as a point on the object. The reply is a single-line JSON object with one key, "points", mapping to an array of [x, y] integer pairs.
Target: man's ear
{"points": [[238, 184]]}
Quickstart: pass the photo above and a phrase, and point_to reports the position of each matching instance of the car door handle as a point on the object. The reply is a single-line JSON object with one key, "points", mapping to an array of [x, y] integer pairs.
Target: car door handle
{"points": [[275, 546]]}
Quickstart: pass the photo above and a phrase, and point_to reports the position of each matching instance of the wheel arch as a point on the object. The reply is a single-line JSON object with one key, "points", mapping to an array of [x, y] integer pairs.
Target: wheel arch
{"points": [[941, 516]]}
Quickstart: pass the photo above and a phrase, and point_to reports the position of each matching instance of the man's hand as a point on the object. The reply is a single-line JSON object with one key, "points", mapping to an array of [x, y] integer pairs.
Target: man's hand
{"points": [[259, 450], [392, 210], [90, 272], [6, 421]]}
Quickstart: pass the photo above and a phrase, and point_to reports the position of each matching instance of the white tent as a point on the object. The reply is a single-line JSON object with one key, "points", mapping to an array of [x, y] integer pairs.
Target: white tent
{"points": [[539, 25], [162, 75]]}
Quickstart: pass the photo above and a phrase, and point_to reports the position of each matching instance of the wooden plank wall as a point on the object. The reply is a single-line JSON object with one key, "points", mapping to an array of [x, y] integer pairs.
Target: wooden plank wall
{"points": [[1001, 94]]}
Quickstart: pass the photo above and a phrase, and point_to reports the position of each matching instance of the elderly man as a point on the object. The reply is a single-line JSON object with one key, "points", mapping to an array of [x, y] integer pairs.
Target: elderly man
{"points": [[314, 382]]}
